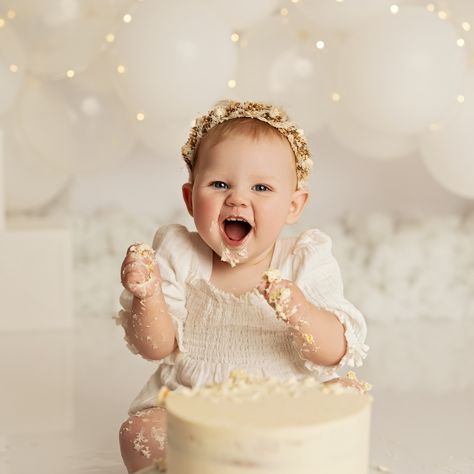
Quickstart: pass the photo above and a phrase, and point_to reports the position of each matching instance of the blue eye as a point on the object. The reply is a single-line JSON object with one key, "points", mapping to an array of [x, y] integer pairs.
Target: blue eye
{"points": [[219, 185], [261, 187]]}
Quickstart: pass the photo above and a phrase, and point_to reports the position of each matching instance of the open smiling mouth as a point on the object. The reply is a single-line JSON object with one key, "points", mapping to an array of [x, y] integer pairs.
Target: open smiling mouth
{"points": [[235, 230]]}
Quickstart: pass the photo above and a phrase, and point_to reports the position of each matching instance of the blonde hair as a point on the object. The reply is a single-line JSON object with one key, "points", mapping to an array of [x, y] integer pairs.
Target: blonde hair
{"points": [[244, 126]]}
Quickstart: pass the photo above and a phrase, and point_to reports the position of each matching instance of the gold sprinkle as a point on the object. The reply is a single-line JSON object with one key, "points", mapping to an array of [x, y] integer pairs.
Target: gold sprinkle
{"points": [[351, 375]]}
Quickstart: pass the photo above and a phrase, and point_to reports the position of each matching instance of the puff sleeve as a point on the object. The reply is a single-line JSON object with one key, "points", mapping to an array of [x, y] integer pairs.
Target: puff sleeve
{"points": [[173, 247], [317, 274]]}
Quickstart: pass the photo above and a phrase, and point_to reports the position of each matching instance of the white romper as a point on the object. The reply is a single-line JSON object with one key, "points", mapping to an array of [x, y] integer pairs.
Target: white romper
{"points": [[218, 332]]}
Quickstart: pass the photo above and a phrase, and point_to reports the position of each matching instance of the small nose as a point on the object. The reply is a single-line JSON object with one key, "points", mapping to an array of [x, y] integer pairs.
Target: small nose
{"points": [[236, 198]]}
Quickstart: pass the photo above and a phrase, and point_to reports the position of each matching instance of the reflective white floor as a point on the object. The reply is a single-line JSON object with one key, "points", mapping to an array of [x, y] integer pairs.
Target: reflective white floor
{"points": [[64, 395]]}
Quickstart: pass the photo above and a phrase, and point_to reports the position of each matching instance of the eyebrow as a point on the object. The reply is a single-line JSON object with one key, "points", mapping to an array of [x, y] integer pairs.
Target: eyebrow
{"points": [[254, 178]]}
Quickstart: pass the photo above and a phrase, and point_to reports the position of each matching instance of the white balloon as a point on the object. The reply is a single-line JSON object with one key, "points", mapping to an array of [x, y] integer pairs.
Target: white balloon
{"points": [[72, 129], [244, 13], [369, 143], [177, 56], [165, 137], [96, 77], [299, 77], [30, 183], [258, 49], [60, 35], [278, 65], [401, 73], [345, 15], [12, 66], [447, 150], [462, 10]]}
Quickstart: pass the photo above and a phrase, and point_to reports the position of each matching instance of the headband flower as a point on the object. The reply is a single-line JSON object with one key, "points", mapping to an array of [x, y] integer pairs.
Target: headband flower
{"points": [[274, 116]]}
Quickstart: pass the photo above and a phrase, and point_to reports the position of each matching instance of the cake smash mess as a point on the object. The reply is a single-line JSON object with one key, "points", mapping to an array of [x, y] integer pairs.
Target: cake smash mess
{"points": [[232, 294]]}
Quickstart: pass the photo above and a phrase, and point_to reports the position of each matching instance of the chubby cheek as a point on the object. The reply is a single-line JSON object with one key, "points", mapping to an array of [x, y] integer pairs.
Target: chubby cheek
{"points": [[272, 215], [206, 210]]}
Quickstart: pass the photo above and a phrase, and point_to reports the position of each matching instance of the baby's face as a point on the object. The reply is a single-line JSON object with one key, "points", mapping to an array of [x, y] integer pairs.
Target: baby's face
{"points": [[244, 193]]}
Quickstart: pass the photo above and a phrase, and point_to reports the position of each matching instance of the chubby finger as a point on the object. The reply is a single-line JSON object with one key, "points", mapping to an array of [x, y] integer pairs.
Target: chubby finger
{"points": [[139, 252], [262, 286], [144, 289], [275, 290], [140, 249], [139, 290], [269, 280], [278, 296], [137, 266], [135, 278], [135, 257]]}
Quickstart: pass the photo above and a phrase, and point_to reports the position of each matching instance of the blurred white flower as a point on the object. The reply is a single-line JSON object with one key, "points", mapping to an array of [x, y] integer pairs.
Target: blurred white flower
{"points": [[394, 268]]}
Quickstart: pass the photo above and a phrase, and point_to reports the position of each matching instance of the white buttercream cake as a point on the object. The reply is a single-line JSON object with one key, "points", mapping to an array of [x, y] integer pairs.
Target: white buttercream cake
{"points": [[260, 426]]}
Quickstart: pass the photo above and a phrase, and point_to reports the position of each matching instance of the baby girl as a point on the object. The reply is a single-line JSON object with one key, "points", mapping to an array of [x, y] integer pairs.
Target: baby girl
{"points": [[233, 295]]}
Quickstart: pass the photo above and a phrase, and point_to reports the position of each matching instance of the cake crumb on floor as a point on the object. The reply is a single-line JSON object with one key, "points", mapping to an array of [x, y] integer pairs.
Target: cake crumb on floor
{"points": [[380, 468]]}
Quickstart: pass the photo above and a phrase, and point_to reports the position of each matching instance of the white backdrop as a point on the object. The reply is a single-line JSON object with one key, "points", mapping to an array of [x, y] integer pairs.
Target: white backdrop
{"points": [[83, 82], [341, 182]]}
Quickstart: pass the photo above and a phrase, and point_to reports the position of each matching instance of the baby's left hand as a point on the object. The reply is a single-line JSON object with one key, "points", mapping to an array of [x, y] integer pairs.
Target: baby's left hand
{"points": [[283, 296], [350, 380]]}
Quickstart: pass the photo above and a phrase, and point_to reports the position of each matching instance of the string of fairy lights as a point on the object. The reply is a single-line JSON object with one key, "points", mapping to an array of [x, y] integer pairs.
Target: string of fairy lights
{"points": [[238, 38], [284, 13]]}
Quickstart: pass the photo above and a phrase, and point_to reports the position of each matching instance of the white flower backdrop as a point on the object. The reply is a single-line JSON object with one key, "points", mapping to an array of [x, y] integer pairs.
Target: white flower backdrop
{"points": [[394, 268]]}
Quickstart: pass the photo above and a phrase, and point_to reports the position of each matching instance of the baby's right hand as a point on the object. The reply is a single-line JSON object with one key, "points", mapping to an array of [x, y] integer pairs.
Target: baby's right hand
{"points": [[139, 273]]}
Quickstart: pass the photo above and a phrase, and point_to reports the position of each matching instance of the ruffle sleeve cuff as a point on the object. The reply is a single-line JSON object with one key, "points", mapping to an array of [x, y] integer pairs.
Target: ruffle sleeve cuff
{"points": [[356, 350], [318, 276]]}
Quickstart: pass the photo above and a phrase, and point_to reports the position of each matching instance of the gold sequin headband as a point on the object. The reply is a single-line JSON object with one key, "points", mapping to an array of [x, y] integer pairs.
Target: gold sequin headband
{"points": [[274, 116]]}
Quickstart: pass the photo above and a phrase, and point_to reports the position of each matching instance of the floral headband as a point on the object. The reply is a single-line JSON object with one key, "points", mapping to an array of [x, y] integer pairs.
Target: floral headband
{"points": [[274, 116]]}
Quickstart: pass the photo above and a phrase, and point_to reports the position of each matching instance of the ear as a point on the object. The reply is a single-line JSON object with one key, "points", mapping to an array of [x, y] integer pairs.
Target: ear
{"points": [[297, 204], [187, 190]]}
